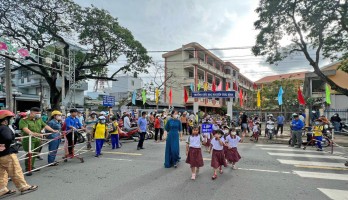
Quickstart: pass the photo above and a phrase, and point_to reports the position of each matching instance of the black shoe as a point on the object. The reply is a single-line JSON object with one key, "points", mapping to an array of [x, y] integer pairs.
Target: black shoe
{"points": [[142, 148], [39, 158], [138, 148], [29, 174], [96, 156]]}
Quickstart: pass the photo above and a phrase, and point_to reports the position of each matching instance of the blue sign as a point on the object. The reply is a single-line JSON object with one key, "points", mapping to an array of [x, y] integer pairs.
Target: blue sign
{"points": [[108, 101], [207, 128], [218, 94]]}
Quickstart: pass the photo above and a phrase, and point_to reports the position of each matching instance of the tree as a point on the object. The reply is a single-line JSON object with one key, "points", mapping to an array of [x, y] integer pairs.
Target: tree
{"points": [[269, 95], [40, 24], [160, 78], [312, 25]]}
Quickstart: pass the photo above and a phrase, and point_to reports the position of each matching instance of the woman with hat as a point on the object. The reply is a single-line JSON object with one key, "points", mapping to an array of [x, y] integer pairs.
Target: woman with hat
{"points": [[9, 164], [55, 123]]}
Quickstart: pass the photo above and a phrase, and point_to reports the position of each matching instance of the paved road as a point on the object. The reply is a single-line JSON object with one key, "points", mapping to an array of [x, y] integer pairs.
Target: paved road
{"points": [[266, 171]]}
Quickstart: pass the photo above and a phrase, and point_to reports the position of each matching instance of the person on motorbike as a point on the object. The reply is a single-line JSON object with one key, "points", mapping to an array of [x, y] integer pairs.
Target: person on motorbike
{"points": [[336, 122], [9, 164], [318, 133], [127, 124], [270, 125]]}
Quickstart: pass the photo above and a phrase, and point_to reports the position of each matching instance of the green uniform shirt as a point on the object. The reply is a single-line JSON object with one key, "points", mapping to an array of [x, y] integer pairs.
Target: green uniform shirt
{"points": [[33, 125]]}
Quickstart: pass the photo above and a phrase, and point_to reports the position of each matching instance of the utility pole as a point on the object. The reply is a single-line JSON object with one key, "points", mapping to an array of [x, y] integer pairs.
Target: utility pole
{"points": [[41, 94], [63, 88], [8, 84]]}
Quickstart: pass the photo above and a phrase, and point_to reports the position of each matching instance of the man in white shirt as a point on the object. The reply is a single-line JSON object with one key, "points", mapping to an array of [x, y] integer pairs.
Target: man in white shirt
{"points": [[126, 123]]}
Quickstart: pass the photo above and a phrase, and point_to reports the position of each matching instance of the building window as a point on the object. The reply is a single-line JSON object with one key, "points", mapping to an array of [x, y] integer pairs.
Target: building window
{"points": [[201, 56], [191, 74], [132, 83], [234, 73], [37, 91], [191, 54]]}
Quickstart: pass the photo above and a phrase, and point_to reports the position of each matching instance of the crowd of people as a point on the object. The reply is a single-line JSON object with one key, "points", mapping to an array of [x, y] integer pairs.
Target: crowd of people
{"points": [[219, 134]]}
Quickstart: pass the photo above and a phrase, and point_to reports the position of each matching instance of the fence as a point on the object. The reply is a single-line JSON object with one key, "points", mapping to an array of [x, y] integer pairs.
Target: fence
{"points": [[343, 113]]}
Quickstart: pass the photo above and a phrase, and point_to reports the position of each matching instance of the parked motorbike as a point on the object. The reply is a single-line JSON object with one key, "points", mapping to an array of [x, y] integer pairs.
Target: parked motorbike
{"points": [[81, 136]]}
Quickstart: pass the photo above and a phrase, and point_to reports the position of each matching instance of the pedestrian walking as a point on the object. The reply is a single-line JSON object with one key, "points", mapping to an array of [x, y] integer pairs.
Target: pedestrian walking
{"points": [[280, 123], [172, 152], [32, 125], [9, 164], [142, 126], [184, 120], [232, 155], [296, 127], [56, 124], [206, 134], [194, 152], [114, 132], [218, 157], [157, 127], [162, 124], [100, 133]]}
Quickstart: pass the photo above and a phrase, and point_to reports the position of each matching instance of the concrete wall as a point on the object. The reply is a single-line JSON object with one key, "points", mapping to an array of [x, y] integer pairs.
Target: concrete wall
{"points": [[339, 102], [176, 67], [125, 84]]}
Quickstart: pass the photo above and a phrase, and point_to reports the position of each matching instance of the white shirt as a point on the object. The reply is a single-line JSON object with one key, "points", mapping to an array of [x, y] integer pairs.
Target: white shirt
{"points": [[207, 135], [301, 118], [216, 144], [233, 142], [194, 141], [126, 123], [255, 128]]}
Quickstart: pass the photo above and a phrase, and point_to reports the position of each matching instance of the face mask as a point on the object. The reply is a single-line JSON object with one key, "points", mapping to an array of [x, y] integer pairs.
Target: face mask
{"points": [[225, 131], [233, 133], [102, 121], [316, 123], [37, 116], [59, 118], [175, 116], [11, 121]]}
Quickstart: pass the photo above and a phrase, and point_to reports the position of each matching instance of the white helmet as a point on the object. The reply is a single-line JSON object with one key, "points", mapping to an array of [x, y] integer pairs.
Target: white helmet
{"points": [[102, 113], [101, 118], [270, 115]]}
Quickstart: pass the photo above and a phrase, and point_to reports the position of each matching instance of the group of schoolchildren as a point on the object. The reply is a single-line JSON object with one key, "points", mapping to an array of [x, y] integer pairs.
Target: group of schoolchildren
{"points": [[221, 142]]}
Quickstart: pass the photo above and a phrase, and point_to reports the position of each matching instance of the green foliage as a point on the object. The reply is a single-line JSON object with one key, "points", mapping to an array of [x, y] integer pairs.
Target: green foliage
{"points": [[318, 27], [269, 94], [63, 27]]}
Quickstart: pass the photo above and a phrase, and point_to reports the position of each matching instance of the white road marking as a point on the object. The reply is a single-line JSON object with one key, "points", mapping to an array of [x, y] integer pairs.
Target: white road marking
{"points": [[265, 170], [306, 155], [270, 145], [310, 163], [291, 150], [118, 159], [335, 194], [329, 176]]}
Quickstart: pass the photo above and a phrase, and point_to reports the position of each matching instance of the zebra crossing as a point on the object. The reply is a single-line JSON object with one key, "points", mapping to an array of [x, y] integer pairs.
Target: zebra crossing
{"points": [[331, 166]]}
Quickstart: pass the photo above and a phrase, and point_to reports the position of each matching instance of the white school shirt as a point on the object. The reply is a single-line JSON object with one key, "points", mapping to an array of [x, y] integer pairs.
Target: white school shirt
{"points": [[233, 142], [207, 135], [255, 128], [195, 141], [216, 144]]}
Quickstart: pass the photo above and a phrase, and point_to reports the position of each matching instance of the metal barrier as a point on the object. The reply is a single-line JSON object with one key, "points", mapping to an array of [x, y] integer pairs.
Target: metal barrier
{"points": [[30, 154]]}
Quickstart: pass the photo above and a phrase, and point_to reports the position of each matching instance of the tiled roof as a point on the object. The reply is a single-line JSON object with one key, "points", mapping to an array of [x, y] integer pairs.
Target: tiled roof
{"points": [[295, 75]]}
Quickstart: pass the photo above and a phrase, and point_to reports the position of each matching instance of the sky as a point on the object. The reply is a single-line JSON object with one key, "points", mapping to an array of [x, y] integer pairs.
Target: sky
{"points": [[168, 24]]}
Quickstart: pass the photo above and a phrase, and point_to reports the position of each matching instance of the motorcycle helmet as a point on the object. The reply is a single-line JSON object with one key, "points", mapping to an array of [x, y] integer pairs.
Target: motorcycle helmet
{"points": [[6, 113], [56, 112], [102, 113], [101, 118]]}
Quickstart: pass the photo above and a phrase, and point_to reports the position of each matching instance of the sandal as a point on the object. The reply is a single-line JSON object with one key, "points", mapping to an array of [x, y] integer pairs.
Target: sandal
{"points": [[30, 189], [193, 177], [214, 177], [7, 194]]}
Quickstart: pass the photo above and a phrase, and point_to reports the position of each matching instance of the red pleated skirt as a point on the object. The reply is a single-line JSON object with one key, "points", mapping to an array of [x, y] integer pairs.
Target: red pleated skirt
{"points": [[218, 159], [194, 157], [232, 155]]}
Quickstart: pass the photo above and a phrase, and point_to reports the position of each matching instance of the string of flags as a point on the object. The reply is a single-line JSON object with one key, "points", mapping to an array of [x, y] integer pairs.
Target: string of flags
{"points": [[6, 46]]}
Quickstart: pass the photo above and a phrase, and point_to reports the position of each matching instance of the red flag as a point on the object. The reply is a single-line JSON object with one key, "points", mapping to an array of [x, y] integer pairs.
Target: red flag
{"points": [[185, 95], [170, 97], [213, 87], [227, 86], [234, 85], [255, 86], [241, 97], [300, 97]]}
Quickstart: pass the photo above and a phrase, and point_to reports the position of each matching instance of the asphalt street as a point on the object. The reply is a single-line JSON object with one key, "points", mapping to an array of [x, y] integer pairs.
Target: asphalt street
{"points": [[266, 171]]}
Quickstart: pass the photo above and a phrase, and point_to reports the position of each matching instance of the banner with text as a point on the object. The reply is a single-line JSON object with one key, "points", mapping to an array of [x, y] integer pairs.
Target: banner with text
{"points": [[217, 94]]}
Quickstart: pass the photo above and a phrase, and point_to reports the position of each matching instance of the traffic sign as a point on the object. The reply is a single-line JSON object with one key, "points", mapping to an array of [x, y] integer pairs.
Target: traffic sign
{"points": [[108, 101]]}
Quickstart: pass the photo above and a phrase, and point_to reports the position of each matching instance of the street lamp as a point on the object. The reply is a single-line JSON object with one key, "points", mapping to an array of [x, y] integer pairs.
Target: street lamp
{"points": [[15, 94]]}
